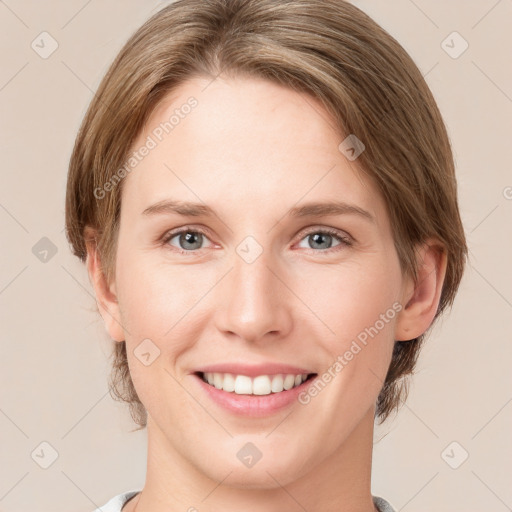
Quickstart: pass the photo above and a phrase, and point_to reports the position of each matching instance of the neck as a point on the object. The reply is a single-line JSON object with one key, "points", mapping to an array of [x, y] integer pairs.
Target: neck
{"points": [[340, 483]]}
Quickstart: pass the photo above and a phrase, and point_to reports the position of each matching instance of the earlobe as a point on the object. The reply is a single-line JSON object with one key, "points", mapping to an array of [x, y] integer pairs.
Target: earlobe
{"points": [[421, 297], [106, 296]]}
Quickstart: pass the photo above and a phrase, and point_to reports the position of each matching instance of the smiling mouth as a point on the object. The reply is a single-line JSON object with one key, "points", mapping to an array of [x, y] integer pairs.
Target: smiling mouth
{"points": [[259, 385]]}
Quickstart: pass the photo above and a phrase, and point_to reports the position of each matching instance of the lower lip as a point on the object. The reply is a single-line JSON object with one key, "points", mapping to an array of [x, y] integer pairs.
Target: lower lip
{"points": [[253, 405]]}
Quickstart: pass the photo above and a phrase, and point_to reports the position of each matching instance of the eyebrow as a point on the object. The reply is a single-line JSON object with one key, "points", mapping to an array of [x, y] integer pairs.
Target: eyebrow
{"points": [[191, 209]]}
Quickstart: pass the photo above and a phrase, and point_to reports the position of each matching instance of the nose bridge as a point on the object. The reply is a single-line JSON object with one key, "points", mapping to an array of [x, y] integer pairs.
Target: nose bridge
{"points": [[252, 297]]}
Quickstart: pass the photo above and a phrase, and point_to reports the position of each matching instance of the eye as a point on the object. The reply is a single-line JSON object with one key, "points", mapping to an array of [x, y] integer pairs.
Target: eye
{"points": [[322, 239], [188, 240]]}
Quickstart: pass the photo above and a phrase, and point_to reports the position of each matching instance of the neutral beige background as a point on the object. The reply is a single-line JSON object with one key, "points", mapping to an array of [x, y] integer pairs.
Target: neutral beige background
{"points": [[54, 359]]}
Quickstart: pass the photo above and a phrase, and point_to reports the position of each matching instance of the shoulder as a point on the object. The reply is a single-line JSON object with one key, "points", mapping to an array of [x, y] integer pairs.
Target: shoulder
{"points": [[116, 503], [382, 505]]}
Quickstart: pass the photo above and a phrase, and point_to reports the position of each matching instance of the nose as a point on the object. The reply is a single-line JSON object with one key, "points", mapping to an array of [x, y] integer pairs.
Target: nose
{"points": [[253, 301]]}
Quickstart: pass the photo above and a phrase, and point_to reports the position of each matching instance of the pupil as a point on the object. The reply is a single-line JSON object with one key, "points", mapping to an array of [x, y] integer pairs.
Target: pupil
{"points": [[189, 238], [318, 237]]}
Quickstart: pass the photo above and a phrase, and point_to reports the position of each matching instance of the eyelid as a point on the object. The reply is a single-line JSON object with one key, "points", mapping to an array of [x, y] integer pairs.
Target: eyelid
{"points": [[341, 234]]}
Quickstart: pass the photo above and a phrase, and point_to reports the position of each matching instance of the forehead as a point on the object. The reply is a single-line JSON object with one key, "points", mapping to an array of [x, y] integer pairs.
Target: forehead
{"points": [[246, 139]]}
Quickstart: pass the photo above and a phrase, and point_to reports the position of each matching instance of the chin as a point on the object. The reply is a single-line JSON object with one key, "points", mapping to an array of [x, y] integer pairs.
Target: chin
{"points": [[257, 479], [269, 472]]}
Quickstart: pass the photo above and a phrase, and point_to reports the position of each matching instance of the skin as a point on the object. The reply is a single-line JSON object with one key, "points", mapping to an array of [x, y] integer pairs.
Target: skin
{"points": [[252, 150]]}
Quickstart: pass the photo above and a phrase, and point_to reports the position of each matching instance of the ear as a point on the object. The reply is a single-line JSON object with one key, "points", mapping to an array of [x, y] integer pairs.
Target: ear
{"points": [[421, 297], [106, 297]]}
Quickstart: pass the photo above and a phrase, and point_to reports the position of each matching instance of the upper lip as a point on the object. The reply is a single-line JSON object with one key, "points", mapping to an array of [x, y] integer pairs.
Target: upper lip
{"points": [[253, 370]]}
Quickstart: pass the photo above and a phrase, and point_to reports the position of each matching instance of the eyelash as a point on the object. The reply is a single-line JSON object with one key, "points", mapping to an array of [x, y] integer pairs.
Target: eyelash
{"points": [[344, 240]]}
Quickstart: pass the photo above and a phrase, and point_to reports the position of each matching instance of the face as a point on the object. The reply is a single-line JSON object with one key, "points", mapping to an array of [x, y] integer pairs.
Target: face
{"points": [[260, 280]]}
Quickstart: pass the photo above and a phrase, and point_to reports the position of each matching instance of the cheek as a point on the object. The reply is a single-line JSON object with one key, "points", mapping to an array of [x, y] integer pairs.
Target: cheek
{"points": [[352, 296], [158, 305], [359, 306], [158, 296], [161, 302]]}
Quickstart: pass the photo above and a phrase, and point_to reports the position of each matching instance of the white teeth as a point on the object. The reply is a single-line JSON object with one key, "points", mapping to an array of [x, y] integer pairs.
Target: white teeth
{"points": [[277, 384], [260, 385], [243, 385], [217, 380], [289, 382], [229, 383]]}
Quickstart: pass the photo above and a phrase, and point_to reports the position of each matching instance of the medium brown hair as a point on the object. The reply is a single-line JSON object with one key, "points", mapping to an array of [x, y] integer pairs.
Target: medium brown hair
{"points": [[328, 49]]}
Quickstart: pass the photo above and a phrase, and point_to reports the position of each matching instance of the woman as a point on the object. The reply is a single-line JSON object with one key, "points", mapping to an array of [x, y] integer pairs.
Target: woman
{"points": [[227, 139]]}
